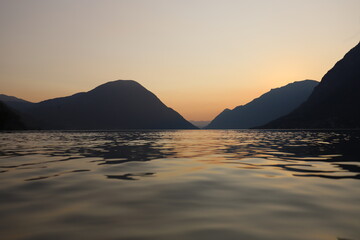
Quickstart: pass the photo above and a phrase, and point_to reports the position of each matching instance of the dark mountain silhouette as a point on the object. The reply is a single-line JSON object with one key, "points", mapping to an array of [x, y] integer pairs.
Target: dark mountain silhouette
{"points": [[15, 102], [6, 98], [334, 103], [267, 107], [22, 107], [9, 119], [122, 104]]}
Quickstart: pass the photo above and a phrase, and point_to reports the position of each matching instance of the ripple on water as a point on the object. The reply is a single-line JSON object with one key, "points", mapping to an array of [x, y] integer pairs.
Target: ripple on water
{"points": [[207, 184]]}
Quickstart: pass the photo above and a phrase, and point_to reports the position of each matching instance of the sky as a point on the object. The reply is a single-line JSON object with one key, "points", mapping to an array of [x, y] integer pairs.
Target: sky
{"points": [[198, 56]]}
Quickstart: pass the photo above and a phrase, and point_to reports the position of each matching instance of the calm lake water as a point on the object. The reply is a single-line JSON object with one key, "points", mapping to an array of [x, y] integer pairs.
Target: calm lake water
{"points": [[179, 185]]}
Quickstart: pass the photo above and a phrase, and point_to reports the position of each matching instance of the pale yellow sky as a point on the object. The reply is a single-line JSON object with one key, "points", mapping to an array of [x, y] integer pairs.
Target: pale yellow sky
{"points": [[197, 56]]}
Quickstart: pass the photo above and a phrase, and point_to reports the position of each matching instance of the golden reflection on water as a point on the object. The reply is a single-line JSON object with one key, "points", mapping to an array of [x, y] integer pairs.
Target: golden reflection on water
{"points": [[180, 185]]}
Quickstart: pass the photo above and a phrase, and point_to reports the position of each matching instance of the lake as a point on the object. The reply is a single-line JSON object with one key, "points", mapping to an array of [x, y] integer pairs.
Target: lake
{"points": [[179, 185]]}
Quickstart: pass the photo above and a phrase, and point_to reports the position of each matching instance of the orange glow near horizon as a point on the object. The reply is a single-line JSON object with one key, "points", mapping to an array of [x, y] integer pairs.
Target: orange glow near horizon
{"points": [[199, 57]]}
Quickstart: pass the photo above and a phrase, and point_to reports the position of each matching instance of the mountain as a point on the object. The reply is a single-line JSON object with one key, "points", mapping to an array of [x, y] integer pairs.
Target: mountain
{"points": [[334, 103], [6, 98], [9, 120], [200, 124], [267, 107], [15, 103], [121, 104]]}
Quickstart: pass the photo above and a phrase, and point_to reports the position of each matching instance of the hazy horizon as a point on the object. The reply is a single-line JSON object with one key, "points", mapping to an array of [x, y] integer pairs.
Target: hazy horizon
{"points": [[199, 57]]}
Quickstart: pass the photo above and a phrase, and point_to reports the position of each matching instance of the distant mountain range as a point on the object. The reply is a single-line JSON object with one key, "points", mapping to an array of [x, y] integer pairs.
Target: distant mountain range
{"points": [[122, 104], [269, 106], [11, 99], [125, 104], [200, 124], [334, 103]]}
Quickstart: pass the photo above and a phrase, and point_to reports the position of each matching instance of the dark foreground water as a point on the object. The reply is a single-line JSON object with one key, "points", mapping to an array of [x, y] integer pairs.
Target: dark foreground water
{"points": [[179, 185]]}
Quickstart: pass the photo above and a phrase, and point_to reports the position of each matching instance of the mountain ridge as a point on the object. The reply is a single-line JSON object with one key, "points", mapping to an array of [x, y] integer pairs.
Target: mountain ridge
{"points": [[270, 105], [334, 103], [119, 104]]}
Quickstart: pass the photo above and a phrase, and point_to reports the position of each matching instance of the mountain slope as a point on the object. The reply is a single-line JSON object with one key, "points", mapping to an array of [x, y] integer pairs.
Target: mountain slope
{"points": [[334, 103], [121, 104], [6, 98], [14, 102], [267, 107], [9, 120]]}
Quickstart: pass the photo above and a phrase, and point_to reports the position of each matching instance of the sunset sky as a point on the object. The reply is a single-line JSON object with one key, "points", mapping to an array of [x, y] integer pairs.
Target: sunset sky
{"points": [[197, 56]]}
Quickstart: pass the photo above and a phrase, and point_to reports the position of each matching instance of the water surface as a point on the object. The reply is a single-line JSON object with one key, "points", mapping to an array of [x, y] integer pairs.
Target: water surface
{"points": [[198, 184]]}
